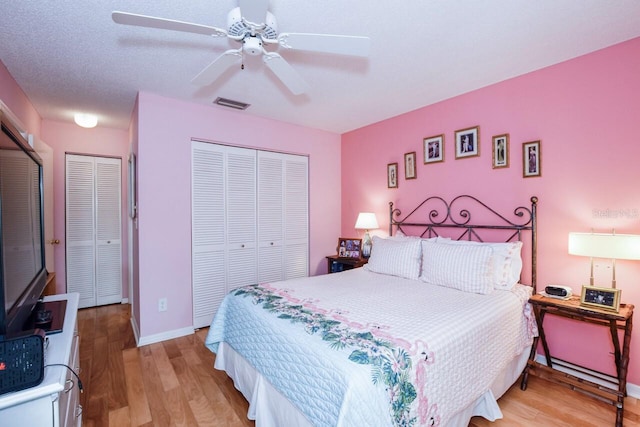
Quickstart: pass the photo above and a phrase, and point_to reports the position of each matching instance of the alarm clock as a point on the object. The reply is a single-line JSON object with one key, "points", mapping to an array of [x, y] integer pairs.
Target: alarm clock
{"points": [[558, 291]]}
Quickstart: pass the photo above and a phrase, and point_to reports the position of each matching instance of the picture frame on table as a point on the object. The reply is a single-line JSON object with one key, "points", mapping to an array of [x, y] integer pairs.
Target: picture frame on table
{"points": [[349, 248], [531, 159], [392, 175], [410, 165], [433, 149], [467, 142], [500, 150], [604, 298]]}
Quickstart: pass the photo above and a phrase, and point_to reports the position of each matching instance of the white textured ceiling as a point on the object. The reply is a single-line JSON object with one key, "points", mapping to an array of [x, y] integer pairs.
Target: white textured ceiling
{"points": [[69, 56]]}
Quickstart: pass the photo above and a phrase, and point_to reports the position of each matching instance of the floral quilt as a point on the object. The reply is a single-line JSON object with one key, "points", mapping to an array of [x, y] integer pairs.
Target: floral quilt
{"points": [[360, 348]]}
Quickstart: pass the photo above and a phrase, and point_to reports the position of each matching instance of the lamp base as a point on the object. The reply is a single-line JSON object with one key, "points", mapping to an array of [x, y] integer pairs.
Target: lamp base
{"points": [[366, 245]]}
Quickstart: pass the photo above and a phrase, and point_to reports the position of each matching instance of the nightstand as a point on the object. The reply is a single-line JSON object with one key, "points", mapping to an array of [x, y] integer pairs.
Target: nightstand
{"points": [[615, 391], [335, 264]]}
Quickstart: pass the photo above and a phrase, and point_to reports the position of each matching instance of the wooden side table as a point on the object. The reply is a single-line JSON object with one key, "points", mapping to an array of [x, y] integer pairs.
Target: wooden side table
{"points": [[572, 309], [335, 264]]}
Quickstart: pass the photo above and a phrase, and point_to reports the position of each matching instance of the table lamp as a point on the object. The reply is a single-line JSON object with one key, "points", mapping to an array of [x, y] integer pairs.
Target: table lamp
{"points": [[605, 245], [366, 221]]}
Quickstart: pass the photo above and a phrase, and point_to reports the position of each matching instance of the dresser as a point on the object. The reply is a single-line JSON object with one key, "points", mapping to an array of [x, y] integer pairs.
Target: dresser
{"points": [[55, 401]]}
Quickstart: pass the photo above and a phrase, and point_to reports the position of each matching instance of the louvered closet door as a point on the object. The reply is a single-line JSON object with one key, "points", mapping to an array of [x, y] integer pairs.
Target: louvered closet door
{"points": [[223, 197], [241, 217], [296, 214], [80, 225], [270, 217], [108, 231], [93, 232], [207, 231]]}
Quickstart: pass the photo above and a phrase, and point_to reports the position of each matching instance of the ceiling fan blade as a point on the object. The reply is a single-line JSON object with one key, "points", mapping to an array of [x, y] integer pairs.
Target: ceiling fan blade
{"points": [[126, 18], [254, 11], [217, 67], [342, 45], [285, 72]]}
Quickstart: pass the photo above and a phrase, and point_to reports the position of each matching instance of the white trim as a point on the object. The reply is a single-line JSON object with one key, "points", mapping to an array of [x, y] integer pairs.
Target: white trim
{"points": [[164, 336], [15, 121], [633, 390], [136, 330]]}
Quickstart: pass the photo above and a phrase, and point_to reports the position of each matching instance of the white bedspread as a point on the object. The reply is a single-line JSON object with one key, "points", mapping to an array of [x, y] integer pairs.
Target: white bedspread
{"points": [[359, 348]]}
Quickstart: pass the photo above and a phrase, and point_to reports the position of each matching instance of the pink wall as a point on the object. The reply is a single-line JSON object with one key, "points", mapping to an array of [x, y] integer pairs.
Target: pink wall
{"points": [[69, 138], [14, 98], [165, 130], [586, 114]]}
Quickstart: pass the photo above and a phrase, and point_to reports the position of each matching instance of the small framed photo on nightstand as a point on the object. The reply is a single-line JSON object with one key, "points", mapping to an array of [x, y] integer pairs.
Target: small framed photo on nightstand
{"points": [[605, 298], [349, 248]]}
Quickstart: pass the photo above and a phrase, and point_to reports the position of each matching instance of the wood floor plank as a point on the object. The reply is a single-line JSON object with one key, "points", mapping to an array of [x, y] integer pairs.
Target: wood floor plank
{"points": [[117, 377], [154, 391], [136, 395], [120, 417], [167, 374], [174, 384]]}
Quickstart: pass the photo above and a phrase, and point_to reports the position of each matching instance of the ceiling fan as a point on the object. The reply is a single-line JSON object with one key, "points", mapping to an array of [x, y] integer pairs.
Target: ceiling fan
{"points": [[252, 25]]}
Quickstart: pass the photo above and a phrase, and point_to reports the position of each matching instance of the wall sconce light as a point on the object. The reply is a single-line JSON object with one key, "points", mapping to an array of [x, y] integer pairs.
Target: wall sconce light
{"points": [[366, 221]]}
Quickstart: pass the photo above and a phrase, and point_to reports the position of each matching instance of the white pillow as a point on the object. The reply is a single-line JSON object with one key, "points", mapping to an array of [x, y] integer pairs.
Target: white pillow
{"points": [[463, 267], [507, 262], [397, 257]]}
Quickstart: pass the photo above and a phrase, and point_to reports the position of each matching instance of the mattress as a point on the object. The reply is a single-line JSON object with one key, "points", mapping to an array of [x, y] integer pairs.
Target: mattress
{"points": [[361, 348]]}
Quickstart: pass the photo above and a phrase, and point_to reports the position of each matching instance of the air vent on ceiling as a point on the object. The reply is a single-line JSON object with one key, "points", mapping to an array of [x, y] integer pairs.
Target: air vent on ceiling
{"points": [[231, 103]]}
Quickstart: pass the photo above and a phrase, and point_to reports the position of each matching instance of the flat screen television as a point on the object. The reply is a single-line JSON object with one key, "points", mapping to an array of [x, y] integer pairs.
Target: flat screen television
{"points": [[23, 274]]}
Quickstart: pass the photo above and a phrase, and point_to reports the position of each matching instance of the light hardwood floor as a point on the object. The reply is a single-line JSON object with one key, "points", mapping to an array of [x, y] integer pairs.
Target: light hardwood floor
{"points": [[173, 383]]}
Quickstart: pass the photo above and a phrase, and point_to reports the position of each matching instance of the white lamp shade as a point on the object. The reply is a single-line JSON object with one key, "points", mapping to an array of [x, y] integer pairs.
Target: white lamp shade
{"points": [[598, 245], [366, 221]]}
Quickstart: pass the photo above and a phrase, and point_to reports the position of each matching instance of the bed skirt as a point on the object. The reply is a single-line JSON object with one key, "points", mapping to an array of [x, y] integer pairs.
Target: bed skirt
{"points": [[270, 409]]}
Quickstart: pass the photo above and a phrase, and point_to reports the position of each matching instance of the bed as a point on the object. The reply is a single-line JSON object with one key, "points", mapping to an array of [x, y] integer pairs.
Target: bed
{"points": [[432, 331]]}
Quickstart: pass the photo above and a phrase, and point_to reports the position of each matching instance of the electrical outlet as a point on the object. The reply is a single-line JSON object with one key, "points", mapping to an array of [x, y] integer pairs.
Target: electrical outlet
{"points": [[162, 304]]}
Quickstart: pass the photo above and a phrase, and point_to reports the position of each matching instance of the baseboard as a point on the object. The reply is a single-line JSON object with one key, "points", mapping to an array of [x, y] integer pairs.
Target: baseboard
{"points": [[169, 335], [633, 390]]}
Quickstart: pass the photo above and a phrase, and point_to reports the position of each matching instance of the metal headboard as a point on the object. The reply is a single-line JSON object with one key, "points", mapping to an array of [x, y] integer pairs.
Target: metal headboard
{"points": [[435, 214]]}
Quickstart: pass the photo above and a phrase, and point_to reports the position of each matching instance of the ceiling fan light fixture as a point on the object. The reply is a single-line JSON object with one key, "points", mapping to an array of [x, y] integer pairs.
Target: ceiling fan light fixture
{"points": [[85, 120], [230, 103]]}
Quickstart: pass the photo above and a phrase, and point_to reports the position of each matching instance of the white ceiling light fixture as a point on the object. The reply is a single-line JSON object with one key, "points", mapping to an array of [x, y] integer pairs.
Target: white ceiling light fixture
{"points": [[86, 120]]}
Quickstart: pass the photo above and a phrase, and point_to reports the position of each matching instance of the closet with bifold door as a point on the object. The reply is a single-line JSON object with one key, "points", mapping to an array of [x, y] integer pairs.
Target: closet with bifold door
{"points": [[250, 221], [93, 229]]}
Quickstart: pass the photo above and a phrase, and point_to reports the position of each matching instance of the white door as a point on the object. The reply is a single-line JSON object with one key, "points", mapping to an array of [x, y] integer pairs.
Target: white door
{"points": [[296, 214], [270, 216], [223, 198], [249, 221], [93, 229], [208, 250]]}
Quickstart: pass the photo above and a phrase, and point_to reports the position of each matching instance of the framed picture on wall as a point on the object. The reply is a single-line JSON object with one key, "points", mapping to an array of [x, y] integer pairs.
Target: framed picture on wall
{"points": [[468, 142], [531, 162], [433, 149], [410, 165], [500, 157], [392, 175]]}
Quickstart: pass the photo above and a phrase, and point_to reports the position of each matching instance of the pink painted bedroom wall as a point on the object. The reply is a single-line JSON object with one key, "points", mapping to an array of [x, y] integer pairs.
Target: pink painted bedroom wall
{"points": [[14, 97], [586, 114], [165, 130]]}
